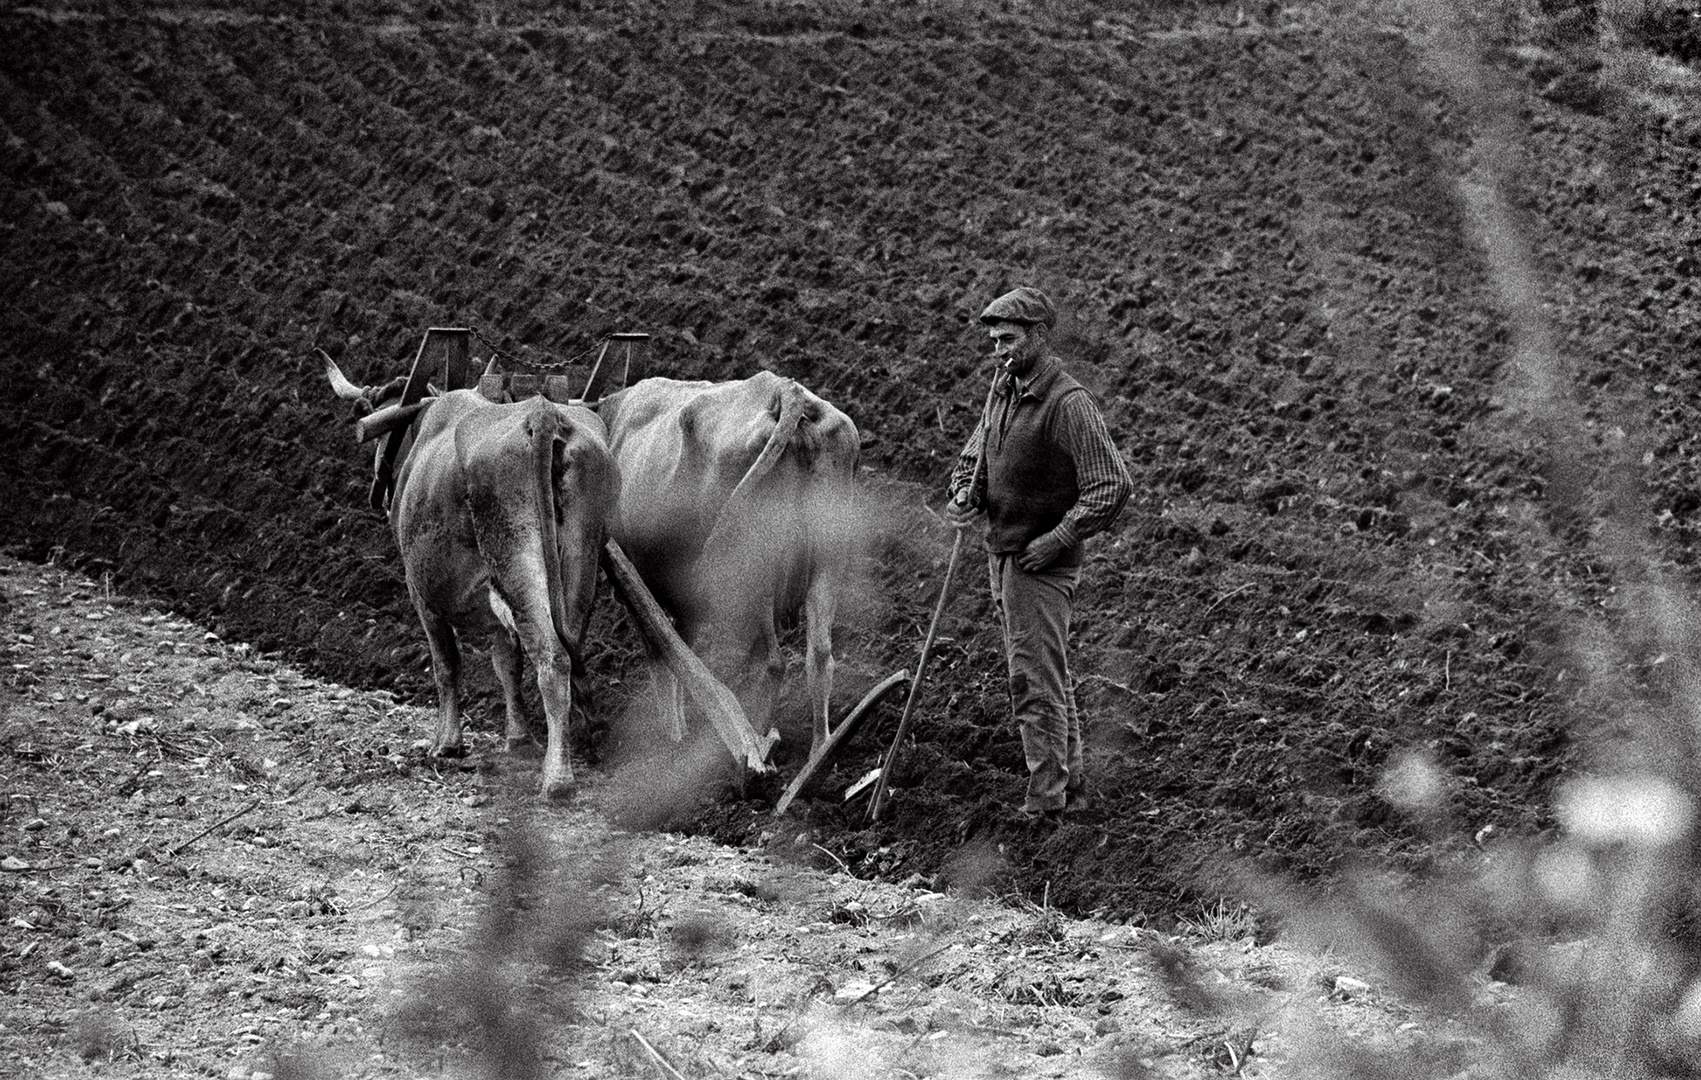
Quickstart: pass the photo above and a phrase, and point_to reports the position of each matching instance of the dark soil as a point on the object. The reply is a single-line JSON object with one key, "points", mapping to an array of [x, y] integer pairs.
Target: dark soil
{"points": [[1357, 533]]}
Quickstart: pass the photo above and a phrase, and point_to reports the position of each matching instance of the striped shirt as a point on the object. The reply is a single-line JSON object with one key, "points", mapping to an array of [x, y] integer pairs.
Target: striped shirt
{"points": [[1100, 475]]}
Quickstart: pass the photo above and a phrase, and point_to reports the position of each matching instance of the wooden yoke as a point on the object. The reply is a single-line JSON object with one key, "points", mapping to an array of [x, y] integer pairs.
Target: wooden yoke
{"points": [[452, 345], [597, 384], [511, 378]]}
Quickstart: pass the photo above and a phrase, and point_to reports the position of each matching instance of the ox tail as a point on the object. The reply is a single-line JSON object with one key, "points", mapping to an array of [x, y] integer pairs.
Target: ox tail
{"points": [[545, 426], [733, 513]]}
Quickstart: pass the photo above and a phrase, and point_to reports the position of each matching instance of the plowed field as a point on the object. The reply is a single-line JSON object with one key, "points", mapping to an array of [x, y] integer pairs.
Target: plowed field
{"points": [[1390, 315]]}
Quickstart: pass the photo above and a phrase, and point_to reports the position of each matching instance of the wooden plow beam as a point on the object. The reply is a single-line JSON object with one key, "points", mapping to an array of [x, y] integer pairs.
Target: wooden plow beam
{"points": [[721, 705]]}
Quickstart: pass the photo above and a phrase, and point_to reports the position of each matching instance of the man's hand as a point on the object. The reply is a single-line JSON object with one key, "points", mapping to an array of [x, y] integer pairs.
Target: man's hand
{"points": [[959, 514], [1041, 552]]}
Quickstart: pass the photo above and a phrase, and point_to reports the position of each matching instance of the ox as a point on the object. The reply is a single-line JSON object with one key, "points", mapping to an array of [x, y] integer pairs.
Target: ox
{"points": [[500, 513], [734, 509]]}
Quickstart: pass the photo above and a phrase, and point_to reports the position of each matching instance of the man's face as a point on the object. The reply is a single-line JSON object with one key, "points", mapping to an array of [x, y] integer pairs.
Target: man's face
{"points": [[1016, 346]]}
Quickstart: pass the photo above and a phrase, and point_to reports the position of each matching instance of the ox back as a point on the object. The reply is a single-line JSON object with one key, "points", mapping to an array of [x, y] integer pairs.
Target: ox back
{"points": [[736, 508]]}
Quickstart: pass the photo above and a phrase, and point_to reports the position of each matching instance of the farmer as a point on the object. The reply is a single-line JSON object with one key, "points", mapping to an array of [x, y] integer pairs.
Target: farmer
{"points": [[1041, 472]]}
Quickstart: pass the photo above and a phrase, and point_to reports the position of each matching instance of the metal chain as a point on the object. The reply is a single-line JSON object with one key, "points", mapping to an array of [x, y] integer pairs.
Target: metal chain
{"points": [[550, 367]]}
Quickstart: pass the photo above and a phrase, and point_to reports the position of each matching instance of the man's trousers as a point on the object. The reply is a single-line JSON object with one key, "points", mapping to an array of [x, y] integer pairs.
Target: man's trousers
{"points": [[1035, 611]]}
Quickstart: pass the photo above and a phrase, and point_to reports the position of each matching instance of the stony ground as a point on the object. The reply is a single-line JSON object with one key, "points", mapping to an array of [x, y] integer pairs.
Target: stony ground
{"points": [[213, 865]]}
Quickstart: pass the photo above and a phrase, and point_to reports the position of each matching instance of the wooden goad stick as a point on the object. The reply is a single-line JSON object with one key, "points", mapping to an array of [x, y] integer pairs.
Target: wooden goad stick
{"points": [[878, 802]]}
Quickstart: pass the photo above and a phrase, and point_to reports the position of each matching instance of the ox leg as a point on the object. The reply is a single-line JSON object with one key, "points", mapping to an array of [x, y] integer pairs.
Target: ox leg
{"points": [[576, 656], [742, 650], [821, 606], [509, 662], [446, 673], [555, 682], [766, 666], [534, 632]]}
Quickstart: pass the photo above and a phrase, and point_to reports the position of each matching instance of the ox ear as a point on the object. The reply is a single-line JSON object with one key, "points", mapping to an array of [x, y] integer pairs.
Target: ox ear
{"points": [[340, 384]]}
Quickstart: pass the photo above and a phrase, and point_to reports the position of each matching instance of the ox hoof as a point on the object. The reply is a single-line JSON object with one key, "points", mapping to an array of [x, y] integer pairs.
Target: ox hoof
{"points": [[558, 789], [459, 750], [524, 747]]}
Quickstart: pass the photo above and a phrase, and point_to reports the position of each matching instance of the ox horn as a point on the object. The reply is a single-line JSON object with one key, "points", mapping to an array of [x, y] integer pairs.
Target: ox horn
{"points": [[339, 382]]}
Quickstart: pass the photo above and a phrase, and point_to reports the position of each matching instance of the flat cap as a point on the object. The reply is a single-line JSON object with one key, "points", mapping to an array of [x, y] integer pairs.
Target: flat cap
{"points": [[1024, 305]]}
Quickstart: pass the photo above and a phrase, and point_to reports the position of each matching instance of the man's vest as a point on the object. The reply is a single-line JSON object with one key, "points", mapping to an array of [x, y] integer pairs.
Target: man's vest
{"points": [[1030, 478]]}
